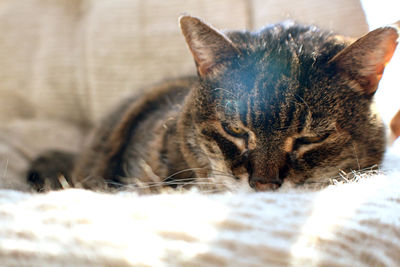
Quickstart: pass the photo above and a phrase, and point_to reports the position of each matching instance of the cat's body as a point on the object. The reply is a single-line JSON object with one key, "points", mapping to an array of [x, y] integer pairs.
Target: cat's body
{"points": [[138, 141], [288, 103]]}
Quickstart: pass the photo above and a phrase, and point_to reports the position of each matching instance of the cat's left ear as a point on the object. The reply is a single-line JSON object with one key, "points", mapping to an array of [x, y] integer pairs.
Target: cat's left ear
{"points": [[365, 59], [210, 48]]}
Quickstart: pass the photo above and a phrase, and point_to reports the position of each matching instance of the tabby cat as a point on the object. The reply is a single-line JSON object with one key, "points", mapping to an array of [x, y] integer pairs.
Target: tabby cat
{"points": [[288, 103]]}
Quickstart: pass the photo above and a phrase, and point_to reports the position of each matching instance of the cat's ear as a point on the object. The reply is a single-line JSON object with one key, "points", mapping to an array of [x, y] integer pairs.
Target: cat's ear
{"points": [[365, 59], [209, 47]]}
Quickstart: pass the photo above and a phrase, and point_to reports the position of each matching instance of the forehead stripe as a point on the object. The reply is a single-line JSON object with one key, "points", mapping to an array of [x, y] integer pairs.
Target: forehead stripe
{"points": [[289, 115]]}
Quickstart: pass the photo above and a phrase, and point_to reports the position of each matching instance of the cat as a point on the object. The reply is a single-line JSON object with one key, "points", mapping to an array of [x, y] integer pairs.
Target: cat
{"points": [[286, 104]]}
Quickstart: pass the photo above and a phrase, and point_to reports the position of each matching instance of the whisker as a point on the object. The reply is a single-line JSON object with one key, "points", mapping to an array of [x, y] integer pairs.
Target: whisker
{"points": [[194, 169], [86, 179], [347, 177], [205, 184], [182, 171], [119, 184], [302, 100], [216, 190], [226, 91], [191, 181]]}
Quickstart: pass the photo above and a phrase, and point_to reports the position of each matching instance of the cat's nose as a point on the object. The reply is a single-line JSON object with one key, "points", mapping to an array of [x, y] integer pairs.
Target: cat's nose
{"points": [[262, 184], [266, 174]]}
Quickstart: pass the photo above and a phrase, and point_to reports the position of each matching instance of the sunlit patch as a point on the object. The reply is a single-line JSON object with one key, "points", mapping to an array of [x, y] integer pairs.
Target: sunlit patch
{"points": [[122, 229], [330, 210]]}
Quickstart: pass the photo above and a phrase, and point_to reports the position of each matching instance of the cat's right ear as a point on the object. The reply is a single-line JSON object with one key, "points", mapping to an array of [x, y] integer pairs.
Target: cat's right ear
{"points": [[210, 48], [364, 60]]}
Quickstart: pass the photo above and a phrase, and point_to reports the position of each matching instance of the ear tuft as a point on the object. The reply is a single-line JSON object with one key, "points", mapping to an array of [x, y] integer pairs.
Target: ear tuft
{"points": [[364, 61], [208, 46]]}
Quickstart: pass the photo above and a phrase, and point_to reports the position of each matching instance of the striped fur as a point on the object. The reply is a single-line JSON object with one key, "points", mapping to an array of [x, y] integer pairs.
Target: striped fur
{"points": [[288, 103]]}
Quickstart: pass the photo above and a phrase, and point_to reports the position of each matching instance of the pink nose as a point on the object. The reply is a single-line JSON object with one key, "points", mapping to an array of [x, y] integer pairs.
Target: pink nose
{"points": [[265, 186]]}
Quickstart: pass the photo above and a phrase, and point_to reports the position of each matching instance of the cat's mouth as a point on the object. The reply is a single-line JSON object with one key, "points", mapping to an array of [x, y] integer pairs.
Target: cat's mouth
{"points": [[266, 186], [269, 183], [262, 184]]}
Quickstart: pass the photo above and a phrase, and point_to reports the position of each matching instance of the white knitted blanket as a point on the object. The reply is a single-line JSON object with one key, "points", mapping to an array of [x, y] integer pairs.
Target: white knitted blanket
{"points": [[348, 224]]}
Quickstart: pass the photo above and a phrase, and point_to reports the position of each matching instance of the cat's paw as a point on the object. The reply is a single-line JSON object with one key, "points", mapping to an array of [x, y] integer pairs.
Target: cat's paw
{"points": [[51, 171]]}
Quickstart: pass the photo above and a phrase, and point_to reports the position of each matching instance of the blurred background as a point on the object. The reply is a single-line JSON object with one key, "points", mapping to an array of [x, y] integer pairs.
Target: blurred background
{"points": [[64, 63]]}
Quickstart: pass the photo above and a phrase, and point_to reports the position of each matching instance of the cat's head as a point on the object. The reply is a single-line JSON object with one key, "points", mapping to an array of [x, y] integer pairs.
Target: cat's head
{"points": [[286, 103]]}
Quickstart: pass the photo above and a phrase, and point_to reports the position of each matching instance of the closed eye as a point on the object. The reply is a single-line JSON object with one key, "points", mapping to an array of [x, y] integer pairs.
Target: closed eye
{"points": [[308, 140]]}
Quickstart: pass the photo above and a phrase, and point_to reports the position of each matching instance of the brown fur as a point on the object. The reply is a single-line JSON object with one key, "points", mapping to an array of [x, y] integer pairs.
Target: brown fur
{"points": [[288, 103]]}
